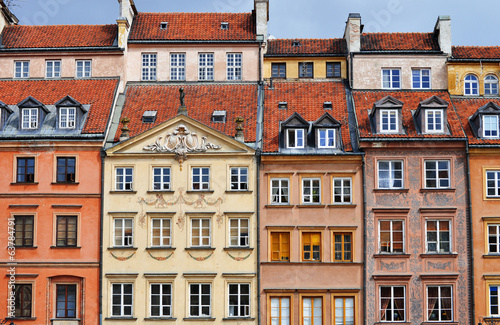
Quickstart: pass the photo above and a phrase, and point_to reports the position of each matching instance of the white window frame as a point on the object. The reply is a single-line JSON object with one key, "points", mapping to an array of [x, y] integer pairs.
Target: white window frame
{"points": [[326, 135], [238, 176], [148, 66], [497, 286], [24, 69], [492, 126], [161, 224], [197, 232], [439, 308], [234, 66], [437, 170], [438, 242], [83, 69], [391, 75], [239, 239], [495, 237], [435, 126], [121, 182], [178, 66], [389, 114], [308, 184], [161, 295], [238, 304], [420, 75], [29, 118], [164, 183], [390, 306], [299, 136], [391, 177], [490, 85], [344, 186], [200, 172], [205, 66], [200, 296], [391, 232], [121, 304], [53, 69], [471, 85], [120, 231], [496, 183], [277, 198], [67, 117]]}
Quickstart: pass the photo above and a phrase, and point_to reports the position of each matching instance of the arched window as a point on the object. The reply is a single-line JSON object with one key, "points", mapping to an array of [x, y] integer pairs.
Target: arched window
{"points": [[471, 85], [491, 85]]}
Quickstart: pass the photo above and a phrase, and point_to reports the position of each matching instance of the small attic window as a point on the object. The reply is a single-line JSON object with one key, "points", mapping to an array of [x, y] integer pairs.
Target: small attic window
{"points": [[295, 44], [327, 105], [163, 25], [149, 117], [282, 105], [219, 117], [224, 25]]}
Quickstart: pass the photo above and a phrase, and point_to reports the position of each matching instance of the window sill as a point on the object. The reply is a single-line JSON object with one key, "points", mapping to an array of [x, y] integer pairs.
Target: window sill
{"points": [[201, 248], [342, 205], [122, 248], [122, 192], [161, 192], [398, 255], [120, 318], [200, 191], [316, 263], [242, 248], [390, 190], [448, 255], [65, 183], [491, 256], [20, 318], [72, 247], [160, 248], [274, 206], [311, 206], [194, 319], [25, 247], [160, 318], [437, 322], [21, 183], [238, 318], [238, 191], [431, 190], [65, 319]]}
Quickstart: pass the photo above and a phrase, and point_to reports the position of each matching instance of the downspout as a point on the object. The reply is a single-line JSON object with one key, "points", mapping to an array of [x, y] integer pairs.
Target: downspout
{"points": [[470, 235], [257, 157], [363, 173], [351, 64], [260, 62], [103, 156]]}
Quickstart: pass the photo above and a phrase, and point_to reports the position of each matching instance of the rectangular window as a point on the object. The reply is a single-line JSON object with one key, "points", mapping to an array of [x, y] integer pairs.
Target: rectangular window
{"points": [[234, 66], [66, 301], [66, 169], [437, 174], [295, 138], [421, 78], [239, 300], [493, 183], [148, 67], [438, 236], [201, 179], [311, 246], [390, 174], [493, 239], [29, 118], [306, 69], [344, 311], [439, 304], [391, 236], [21, 69], [83, 68], [200, 299], [311, 190], [177, 66], [239, 178], [67, 117], [333, 70], [312, 311], [342, 190], [66, 231], [389, 121], [23, 300], [53, 69], [326, 138], [391, 78], [238, 232], [206, 66], [25, 170], [280, 246], [494, 311], [122, 299], [490, 126], [200, 232], [434, 120], [280, 310], [279, 191], [161, 178], [161, 300], [392, 303], [24, 226], [123, 232], [123, 178], [160, 232], [278, 70], [343, 247]]}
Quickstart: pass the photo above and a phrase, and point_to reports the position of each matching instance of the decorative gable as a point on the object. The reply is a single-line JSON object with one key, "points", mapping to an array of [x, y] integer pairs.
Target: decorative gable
{"points": [[431, 116], [386, 116], [70, 113], [32, 113], [485, 121]]}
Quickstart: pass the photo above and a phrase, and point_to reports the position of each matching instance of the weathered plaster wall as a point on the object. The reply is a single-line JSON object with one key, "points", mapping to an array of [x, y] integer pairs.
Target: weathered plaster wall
{"points": [[292, 66], [457, 72]]}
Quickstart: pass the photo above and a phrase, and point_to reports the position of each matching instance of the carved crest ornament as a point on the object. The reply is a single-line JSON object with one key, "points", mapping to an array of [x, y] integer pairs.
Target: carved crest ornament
{"points": [[181, 142]]}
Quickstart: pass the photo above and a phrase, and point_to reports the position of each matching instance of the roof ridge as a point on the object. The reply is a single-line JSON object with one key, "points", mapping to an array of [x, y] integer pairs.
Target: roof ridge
{"points": [[476, 46], [196, 12], [393, 33], [70, 25], [306, 39]]}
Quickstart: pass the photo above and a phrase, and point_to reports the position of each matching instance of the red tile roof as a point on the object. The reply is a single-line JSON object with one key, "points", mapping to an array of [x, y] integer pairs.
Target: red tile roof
{"points": [[333, 46], [465, 108], [305, 98], [98, 93], [201, 100], [364, 100], [55, 36], [475, 52], [399, 42], [193, 27]]}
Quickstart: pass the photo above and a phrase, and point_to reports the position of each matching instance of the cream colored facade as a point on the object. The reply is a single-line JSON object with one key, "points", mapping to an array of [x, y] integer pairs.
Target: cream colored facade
{"points": [[140, 265], [292, 66]]}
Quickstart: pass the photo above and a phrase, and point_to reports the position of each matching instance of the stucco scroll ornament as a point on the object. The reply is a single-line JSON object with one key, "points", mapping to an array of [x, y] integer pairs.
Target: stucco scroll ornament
{"points": [[181, 142]]}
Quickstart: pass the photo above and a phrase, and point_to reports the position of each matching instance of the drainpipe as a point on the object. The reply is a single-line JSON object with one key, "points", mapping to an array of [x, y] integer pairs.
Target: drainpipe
{"points": [[260, 62], [257, 157], [470, 239], [351, 65], [363, 173], [103, 156]]}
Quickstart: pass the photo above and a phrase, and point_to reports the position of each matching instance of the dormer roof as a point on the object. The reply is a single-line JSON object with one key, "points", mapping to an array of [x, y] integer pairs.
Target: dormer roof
{"points": [[388, 102], [295, 121], [69, 101], [6, 107], [31, 102], [326, 120], [433, 102]]}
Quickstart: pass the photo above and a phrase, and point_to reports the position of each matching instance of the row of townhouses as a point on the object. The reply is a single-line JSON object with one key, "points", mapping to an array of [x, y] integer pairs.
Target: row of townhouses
{"points": [[182, 168]]}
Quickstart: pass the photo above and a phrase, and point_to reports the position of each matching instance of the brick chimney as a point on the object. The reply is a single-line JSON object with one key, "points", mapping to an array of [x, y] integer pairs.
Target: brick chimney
{"points": [[7, 18], [124, 21], [442, 31], [261, 12], [352, 33]]}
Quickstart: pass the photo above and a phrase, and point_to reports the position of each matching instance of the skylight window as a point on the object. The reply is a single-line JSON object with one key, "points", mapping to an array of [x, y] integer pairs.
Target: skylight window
{"points": [[282, 105], [224, 25], [163, 25], [295, 43], [149, 117], [219, 117], [327, 105]]}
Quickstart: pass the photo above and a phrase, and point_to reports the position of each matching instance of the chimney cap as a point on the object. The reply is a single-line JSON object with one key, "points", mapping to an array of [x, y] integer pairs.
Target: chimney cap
{"points": [[355, 15]]}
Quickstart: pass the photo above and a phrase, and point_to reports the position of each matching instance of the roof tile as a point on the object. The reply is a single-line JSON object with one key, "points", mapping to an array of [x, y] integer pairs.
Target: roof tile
{"points": [[333, 46], [399, 42], [475, 52]]}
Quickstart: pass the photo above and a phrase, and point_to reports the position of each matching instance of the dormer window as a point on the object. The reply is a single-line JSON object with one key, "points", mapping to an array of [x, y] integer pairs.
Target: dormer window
{"points": [[29, 118], [224, 25], [389, 121], [163, 25], [70, 113], [326, 138], [490, 126], [430, 116], [386, 116], [485, 121], [295, 138], [434, 120], [67, 118]]}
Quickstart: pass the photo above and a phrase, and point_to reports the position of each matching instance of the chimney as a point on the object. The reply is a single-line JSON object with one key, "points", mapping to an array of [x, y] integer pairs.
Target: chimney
{"points": [[261, 12], [124, 21], [442, 31], [352, 33], [239, 136], [7, 18], [125, 130]]}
